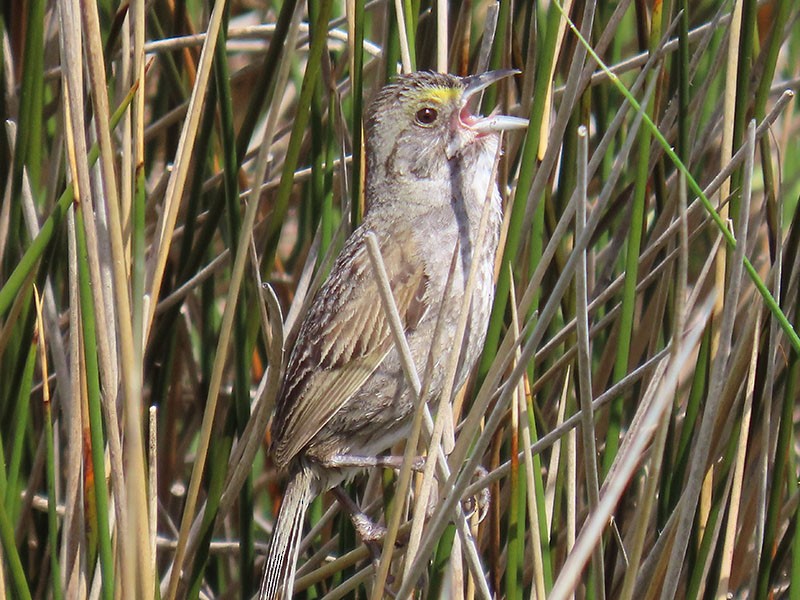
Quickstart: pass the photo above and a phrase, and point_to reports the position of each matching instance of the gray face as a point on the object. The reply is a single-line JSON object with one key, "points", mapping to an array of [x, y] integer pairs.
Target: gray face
{"points": [[417, 126]]}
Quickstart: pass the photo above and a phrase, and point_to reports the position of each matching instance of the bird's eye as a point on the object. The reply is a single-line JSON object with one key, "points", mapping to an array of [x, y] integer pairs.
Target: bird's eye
{"points": [[427, 115]]}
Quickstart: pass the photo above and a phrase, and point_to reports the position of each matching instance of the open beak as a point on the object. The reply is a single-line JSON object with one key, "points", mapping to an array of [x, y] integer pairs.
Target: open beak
{"points": [[493, 122]]}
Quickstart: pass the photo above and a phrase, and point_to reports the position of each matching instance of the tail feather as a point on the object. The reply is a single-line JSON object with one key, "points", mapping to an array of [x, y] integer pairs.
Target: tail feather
{"points": [[278, 581]]}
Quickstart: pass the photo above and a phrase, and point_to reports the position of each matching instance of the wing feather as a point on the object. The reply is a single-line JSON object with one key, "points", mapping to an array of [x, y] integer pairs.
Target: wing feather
{"points": [[343, 339]]}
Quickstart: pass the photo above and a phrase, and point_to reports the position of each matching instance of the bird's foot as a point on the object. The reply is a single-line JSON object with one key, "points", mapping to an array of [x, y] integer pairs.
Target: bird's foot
{"points": [[480, 501], [371, 533]]}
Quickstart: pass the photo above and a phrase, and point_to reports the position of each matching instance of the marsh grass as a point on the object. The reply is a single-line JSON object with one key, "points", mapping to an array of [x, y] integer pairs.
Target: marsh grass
{"points": [[178, 177]]}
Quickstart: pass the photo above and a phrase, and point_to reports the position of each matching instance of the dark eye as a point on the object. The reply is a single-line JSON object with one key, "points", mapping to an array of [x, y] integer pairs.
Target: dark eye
{"points": [[427, 115]]}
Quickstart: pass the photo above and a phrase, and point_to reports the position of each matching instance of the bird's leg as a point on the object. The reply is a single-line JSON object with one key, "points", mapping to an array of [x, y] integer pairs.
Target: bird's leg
{"points": [[479, 502], [370, 533], [343, 461]]}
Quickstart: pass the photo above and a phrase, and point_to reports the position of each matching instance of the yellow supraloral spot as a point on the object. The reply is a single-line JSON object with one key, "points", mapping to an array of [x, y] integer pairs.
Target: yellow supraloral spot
{"points": [[440, 95]]}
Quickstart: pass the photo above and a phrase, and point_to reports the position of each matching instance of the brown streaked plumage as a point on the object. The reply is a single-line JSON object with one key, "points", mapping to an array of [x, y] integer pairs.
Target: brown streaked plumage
{"points": [[344, 396]]}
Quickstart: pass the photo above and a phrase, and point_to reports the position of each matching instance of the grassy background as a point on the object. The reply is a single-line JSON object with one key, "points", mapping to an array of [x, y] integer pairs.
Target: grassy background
{"points": [[171, 198]]}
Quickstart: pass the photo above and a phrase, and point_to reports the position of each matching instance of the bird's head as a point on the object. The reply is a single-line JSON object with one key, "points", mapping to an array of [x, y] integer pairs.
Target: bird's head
{"points": [[421, 125]]}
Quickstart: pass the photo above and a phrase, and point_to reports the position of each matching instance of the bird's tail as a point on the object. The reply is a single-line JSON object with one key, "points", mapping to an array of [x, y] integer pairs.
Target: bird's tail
{"points": [[278, 581]]}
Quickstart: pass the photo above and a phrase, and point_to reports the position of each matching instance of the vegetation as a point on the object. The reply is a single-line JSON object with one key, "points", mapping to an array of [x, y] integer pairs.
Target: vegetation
{"points": [[177, 177]]}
